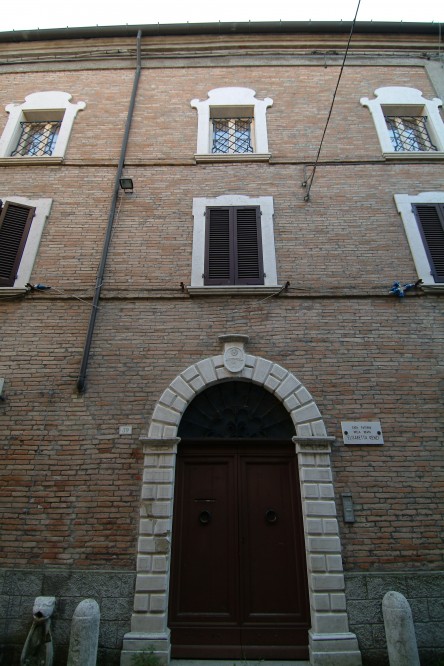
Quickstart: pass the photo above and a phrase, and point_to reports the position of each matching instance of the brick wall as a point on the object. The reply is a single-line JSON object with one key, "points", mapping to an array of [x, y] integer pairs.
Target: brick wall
{"points": [[69, 470], [69, 483]]}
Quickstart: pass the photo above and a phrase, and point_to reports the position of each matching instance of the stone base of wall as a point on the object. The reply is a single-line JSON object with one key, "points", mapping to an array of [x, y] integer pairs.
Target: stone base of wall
{"points": [[425, 593], [113, 590]]}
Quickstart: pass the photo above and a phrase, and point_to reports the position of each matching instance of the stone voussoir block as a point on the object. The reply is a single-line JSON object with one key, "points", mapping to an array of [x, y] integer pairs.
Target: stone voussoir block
{"points": [[261, 370], [278, 371], [318, 428], [166, 415], [190, 373], [207, 370], [303, 429], [182, 387], [286, 387], [305, 413]]}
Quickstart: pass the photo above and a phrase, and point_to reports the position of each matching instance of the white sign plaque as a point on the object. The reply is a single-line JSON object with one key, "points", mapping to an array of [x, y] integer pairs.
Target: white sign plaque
{"points": [[362, 432]]}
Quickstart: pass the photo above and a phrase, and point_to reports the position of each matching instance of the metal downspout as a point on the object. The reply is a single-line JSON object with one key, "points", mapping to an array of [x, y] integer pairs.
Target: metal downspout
{"points": [[92, 320]]}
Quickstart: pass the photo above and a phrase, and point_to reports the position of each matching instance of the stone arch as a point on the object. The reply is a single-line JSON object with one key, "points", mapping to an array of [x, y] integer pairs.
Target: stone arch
{"points": [[273, 377], [329, 637]]}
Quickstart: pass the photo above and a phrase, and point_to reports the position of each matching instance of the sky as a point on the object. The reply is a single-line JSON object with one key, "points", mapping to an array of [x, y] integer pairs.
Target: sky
{"points": [[30, 14]]}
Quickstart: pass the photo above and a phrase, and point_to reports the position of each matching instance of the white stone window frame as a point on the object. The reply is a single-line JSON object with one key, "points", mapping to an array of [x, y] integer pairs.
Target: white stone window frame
{"points": [[42, 210], [265, 204], [404, 204], [241, 100], [37, 106], [403, 101]]}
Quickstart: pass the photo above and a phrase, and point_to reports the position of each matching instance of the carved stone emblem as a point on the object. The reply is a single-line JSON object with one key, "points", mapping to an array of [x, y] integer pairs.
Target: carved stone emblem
{"points": [[234, 359]]}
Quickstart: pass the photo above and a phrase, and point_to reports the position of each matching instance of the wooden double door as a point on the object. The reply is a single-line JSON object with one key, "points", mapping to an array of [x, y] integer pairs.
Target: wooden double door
{"points": [[238, 584]]}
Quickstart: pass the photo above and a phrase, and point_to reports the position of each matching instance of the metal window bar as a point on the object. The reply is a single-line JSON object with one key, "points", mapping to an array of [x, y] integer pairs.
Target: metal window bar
{"points": [[409, 133], [37, 138], [232, 135]]}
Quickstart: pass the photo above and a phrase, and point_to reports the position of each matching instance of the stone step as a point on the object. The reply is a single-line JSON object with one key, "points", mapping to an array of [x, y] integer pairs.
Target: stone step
{"points": [[235, 662]]}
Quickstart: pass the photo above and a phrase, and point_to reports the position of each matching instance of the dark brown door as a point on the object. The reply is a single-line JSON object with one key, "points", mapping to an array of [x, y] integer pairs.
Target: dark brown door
{"points": [[238, 581]]}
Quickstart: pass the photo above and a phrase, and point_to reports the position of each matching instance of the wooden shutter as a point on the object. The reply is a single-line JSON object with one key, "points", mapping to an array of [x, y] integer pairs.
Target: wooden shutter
{"points": [[218, 250], [248, 246], [233, 246], [430, 219], [15, 222]]}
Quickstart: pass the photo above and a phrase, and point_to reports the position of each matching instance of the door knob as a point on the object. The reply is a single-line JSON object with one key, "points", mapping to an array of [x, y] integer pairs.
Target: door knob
{"points": [[204, 517], [271, 516]]}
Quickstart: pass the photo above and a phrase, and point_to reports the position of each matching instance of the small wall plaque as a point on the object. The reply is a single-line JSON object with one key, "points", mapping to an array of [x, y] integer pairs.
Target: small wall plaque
{"points": [[125, 430], [362, 432]]}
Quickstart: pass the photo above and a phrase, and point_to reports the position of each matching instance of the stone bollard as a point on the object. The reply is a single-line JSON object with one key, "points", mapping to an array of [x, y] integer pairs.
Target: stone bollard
{"points": [[84, 637], [399, 630]]}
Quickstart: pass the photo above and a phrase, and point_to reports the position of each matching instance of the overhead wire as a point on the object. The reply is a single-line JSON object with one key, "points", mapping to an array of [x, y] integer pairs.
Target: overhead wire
{"points": [[309, 181]]}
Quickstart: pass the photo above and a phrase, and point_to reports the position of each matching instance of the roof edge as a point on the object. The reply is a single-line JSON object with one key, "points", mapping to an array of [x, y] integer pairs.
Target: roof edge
{"points": [[253, 27]]}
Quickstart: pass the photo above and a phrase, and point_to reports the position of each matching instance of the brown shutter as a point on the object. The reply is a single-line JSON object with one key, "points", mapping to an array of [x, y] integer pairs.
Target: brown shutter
{"points": [[218, 250], [15, 222], [233, 246], [430, 219], [248, 246]]}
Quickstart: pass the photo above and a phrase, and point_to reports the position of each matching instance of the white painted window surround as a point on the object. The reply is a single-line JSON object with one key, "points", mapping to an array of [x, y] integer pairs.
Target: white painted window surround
{"points": [[198, 258], [42, 209], [40, 106], [403, 101], [235, 98], [404, 205]]}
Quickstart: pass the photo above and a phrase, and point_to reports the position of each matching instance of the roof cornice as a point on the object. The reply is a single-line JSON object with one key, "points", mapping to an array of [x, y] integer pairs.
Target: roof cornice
{"points": [[241, 28]]}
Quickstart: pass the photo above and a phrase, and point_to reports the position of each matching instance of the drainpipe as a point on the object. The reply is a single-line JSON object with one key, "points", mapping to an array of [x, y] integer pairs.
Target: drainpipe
{"points": [[99, 281]]}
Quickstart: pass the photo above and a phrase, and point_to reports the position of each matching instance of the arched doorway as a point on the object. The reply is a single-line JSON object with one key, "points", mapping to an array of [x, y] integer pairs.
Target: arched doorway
{"points": [[238, 586], [329, 636]]}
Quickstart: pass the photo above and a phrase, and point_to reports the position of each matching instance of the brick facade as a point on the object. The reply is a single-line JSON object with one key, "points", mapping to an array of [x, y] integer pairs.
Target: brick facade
{"points": [[71, 486]]}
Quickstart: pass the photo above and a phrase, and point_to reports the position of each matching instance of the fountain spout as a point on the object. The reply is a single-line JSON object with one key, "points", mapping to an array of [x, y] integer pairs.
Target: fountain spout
{"points": [[38, 649]]}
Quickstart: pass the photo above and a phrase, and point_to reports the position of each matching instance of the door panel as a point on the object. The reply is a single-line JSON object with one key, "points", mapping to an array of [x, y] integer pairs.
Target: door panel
{"points": [[270, 580], [207, 555], [238, 582]]}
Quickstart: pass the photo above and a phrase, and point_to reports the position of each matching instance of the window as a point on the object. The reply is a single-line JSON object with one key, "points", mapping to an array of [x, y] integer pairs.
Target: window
{"points": [[40, 127], [231, 135], [37, 138], [232, 124], [423, 219], [233, 244], [21, 225], [409, 133], [407, 124]]}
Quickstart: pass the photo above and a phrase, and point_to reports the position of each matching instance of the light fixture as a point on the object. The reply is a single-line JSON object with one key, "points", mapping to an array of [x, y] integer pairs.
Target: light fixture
{"points": [[127, 184]]}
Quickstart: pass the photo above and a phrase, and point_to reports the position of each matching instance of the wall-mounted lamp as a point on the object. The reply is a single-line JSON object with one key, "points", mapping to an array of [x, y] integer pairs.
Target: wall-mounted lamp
{"points": [[127, 185]]}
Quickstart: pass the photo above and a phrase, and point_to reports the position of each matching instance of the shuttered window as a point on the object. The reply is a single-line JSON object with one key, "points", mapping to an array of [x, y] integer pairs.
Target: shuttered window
{"points": [[430, 218], [233, 246], [15, 222]]}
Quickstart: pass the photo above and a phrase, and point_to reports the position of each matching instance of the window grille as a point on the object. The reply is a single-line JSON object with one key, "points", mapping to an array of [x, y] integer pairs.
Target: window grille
{"points": [[409, 133], [232, 135], [37, 138]]}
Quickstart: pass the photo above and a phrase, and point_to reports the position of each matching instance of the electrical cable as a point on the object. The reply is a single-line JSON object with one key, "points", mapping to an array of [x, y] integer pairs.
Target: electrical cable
{"points": [[309, 182]]}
